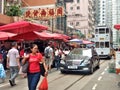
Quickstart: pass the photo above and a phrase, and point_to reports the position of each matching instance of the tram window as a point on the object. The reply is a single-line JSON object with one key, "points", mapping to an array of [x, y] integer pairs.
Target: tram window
{"points": [[102, 31], [107, 44], [102, 44], [97, 44], [107, 30], [96, 31]]}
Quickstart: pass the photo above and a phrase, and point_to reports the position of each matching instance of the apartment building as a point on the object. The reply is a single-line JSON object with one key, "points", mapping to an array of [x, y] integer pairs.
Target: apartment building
{"points": [[80, 15]]}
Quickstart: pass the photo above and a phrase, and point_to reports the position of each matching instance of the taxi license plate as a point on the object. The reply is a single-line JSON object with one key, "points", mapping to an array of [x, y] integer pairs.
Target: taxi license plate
{"points": [[72, 67]]}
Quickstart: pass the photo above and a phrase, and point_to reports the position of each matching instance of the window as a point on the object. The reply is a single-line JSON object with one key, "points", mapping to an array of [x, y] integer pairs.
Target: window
{"points": [[71, 23], [101, 44], [77, 23], [96, 31], [78, 7], [101, 31], [71, 8], [78, 1], [107, 44], [107, 30], [97, 44]]}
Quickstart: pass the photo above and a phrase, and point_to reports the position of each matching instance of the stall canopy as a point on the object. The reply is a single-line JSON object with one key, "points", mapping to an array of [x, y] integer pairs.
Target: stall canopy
{"points": [[6, 35], [86, 42], [31, 36], [81, 41], [76, 40], [38, 35], [22, 27], [117, 26]]}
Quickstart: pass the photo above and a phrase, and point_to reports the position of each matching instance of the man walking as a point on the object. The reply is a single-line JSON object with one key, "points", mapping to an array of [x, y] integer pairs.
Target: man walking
{"points": [[13, 63], [49, 56]]}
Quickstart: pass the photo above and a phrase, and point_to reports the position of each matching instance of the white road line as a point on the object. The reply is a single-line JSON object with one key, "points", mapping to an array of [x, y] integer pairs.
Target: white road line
{"points": [[6, 84], [94, 87], [106, 68], [99, 78], [102, 73]]}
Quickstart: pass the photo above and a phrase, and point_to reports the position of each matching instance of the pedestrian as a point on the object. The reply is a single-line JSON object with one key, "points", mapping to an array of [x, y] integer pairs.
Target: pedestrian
{"points": [[2, 71], [34, 59], [13, 63], [58, 54], [49, 56]]}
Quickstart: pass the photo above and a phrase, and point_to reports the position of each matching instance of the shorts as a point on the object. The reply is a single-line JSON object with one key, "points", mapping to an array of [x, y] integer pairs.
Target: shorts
{"points": [[48, 61]]}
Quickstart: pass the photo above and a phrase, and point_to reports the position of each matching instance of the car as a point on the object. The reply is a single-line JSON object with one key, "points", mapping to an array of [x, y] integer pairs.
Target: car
{"points": [[80, 59]]}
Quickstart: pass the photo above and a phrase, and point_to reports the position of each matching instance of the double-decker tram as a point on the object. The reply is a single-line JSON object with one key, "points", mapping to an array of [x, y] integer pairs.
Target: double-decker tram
{"points": [[103, 41]]}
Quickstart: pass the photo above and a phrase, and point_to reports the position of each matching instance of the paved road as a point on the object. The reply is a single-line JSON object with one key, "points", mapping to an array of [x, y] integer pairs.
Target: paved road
{"points": [[100, 80]]}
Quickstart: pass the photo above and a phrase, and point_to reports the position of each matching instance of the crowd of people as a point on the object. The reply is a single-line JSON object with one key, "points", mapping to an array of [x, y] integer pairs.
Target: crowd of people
{"points": [[14, 57]]}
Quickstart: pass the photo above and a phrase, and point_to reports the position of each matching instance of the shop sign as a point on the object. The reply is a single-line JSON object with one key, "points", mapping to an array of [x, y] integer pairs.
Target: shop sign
{"points": [[42, 13]]}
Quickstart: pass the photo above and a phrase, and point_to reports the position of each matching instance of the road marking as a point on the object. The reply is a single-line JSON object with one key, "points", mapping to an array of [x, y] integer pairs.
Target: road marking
{"points": [[99, 78], [102, 73], [106, 68], [94, 87], [7, 84], [4, 85]]}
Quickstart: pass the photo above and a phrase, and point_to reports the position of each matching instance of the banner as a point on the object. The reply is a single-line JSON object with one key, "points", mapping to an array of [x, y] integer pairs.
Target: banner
{"points": [[44, 13]]}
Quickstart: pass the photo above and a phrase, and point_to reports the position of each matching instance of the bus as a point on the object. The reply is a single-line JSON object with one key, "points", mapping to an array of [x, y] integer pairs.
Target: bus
{"points": [[103, 39]]}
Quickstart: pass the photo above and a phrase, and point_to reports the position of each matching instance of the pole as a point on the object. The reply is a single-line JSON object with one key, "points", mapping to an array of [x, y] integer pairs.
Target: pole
{"points": [[52, 25], [65, 17]]}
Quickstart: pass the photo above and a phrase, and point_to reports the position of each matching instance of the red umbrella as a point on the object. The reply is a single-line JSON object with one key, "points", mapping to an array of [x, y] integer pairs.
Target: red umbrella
{"points": [[22, 27], [117, 26], [31, 36], [6, 35]]}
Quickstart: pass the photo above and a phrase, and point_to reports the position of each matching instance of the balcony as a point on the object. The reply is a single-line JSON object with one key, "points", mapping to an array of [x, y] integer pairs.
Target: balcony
{"points": [[5, 19]]}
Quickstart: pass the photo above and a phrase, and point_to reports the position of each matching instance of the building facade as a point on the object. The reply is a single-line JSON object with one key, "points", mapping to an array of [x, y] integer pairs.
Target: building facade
{"points": [[107, 13], [80, 16], [55, 24], [3, 18]]}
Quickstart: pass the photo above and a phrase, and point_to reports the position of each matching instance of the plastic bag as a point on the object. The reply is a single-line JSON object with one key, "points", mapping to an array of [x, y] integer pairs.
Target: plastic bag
{"points": [[25, 67], [2, 71], [44, 84]]}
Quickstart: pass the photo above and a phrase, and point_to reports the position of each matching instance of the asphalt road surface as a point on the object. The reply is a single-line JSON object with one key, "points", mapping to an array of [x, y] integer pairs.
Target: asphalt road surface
{"points": [[101, 79]]}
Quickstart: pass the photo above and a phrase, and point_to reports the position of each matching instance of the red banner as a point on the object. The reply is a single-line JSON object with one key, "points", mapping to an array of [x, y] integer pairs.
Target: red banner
{"points": [[44, 13]]}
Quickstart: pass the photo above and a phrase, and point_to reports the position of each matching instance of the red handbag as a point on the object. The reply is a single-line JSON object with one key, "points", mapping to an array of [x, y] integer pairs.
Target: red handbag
{"points": [[44, 84]]}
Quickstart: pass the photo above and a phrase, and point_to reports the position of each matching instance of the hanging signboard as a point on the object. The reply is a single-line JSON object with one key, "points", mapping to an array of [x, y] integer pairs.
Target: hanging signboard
{"points": [[43, 13]]}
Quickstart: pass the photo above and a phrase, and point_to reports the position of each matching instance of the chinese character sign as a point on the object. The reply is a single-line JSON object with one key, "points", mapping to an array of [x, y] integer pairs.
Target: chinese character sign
{"points": [[42, 13]]}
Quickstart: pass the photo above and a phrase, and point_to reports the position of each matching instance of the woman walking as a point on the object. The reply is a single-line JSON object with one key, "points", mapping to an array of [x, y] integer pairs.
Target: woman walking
{"points": [[33, 75]]}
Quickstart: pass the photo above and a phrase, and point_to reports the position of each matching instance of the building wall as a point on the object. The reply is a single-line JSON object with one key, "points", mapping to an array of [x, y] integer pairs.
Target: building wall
{"points": [[83, 16], [5, 19], [39, 2]]}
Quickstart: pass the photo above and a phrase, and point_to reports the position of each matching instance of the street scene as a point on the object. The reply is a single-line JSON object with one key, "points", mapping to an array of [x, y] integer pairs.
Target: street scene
{"points": [[59, 45]]}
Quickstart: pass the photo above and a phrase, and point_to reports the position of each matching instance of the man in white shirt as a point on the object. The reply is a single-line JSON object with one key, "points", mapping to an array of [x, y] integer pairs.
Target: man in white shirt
{"points": [[13, 63], [49, 57]]}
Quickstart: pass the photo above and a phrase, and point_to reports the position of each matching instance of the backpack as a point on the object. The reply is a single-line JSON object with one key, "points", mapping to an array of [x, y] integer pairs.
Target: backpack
{"points": [[47, 53]]}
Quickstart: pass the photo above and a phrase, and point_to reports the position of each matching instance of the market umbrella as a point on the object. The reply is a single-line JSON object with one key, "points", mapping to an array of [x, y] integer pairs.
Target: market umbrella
{"points": [[86, 42], [22, 27], [31, 36], [117, 26], [6, 35], [76, 40]]}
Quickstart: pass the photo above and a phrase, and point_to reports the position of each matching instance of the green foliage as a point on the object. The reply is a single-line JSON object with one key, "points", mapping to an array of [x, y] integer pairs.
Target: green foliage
{"points": [[13, 11]]}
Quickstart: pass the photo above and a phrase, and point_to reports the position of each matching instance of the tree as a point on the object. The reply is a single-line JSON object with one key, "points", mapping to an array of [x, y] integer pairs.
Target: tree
{"points": [[13, 10]]}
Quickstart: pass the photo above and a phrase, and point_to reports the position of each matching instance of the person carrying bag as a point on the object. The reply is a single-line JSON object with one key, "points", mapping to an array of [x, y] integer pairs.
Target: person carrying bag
{"points": [[34, 71]]}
